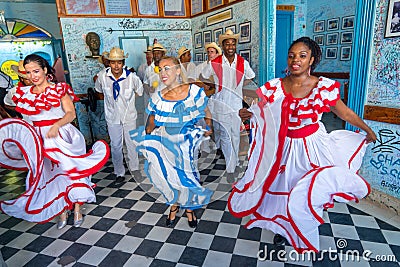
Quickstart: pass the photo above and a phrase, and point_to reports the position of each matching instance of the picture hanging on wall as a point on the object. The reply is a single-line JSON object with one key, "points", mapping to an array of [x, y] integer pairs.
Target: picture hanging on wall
{"points": [[232, 28], [345, 53], [348, 22], [214, 3], [319, 39], [346, 38], [319, 26], [246, 54], [197, 6], [217, 33], [333, 24], [245, 32], [198, 40], [207, 37], [198, 57], [331, 52], [332, 38], [393, 19], [148, 7]]}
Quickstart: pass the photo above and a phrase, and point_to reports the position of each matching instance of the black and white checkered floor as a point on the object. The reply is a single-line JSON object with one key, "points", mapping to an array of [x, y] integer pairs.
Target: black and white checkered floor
{"points": [[126, 227]]}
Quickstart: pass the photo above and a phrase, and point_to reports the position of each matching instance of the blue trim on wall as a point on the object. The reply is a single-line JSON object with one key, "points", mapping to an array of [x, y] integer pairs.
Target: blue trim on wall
{"points": [[360, 65], [267, 40]]}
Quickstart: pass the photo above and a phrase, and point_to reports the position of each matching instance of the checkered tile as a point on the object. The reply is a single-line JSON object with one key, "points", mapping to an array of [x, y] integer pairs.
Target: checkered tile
{"points": [[126, 227]]}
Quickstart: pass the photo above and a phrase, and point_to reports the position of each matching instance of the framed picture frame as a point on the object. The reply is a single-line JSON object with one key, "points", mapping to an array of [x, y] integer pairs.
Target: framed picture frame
{"points": [[332, 38], [348, 22], [174, 8], [246, 54], [332, 24], [198, 57], [345, 53], [219, 17], [217, 33], [197, 7], [214, 3], [245, 32], [134, 46], [331, 52], [392, 28], [207, 37], [198, 40], [205, 58], [148, 7], [346, 37], [232, 28], [85, 7], [319, 26], [319, 39]]}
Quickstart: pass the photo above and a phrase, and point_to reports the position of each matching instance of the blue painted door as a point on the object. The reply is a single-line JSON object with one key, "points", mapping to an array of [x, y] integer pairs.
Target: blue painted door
{"points": [[284, 37]]}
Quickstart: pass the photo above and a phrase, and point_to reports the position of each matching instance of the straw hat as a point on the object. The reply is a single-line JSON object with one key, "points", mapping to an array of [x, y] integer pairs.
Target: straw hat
{"points": [[149, 49], [158, 47], [228, 35], [182, 51], [104, 54], [116, 53], [20, 70], [215, 46]]}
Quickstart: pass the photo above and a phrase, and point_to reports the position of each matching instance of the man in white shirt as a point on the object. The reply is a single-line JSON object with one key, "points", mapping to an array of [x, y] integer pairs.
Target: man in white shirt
{"points": [[143, 67], [119, 87], [188, 68], [230, 72]]}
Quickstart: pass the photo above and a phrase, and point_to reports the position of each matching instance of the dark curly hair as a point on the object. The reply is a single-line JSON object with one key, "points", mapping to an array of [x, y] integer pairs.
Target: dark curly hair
{"points": [[313, 46], [43, 64]]}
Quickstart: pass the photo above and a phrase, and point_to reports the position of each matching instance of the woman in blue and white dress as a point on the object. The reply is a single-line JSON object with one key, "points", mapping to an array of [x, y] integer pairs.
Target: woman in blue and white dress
{"points": [[172, 139]]}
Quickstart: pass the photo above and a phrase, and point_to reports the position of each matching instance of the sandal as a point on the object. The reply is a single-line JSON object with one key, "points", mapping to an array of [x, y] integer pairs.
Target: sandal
{"points": [[170, 222], [192, 223]]}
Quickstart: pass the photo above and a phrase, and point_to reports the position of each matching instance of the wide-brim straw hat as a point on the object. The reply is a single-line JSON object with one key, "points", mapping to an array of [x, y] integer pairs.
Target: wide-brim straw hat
{"points": [[182, 51], [104, 54], [149, 49], [215, 46], [116, 53], [158, 47], [228, 35], [20, 70]]}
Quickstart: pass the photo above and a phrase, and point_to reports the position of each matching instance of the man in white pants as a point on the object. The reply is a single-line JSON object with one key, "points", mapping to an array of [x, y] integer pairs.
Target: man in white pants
{"points": [[230, 72], [119, 87]]}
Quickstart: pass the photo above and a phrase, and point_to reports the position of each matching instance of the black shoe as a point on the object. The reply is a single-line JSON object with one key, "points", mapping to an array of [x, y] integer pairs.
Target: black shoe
{"points": [[171, 222], [193, 222], [279, 240], [119, 180]]}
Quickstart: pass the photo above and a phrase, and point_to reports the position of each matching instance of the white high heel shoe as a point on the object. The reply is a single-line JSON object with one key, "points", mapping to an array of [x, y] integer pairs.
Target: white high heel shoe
{"points": [[62, 223], [78, 222]]}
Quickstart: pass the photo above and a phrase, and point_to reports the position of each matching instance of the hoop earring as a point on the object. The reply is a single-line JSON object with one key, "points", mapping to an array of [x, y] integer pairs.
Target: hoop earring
{"points": [[287, 72]]}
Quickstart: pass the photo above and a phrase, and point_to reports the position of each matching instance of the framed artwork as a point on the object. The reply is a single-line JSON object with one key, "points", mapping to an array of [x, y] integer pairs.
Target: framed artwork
{"points": [[331, 52], [198, 57], [84, 7], [205, 58], [214, 3], [219, 17], [198, 40], [217, 33], [332, 24], [245, 32], [134, 46], [174, 8], [332, 38], [392, 28], [346, 37], [319, 26], [232, 28], [197, 7], [345, 53], [246, 54], [207, 37], [348, 22], [319, 39], [148, 7]]}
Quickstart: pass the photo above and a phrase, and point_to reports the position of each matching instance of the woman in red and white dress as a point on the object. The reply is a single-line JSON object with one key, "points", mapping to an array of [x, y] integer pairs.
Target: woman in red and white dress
{"points": [[296, 169], [52, 150]]}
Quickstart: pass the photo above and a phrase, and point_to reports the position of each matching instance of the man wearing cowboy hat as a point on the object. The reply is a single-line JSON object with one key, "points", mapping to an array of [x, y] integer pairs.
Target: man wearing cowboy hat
{"points": [[143, 67], [230, 71], [151, 81], [119, 86], [188, 68]]}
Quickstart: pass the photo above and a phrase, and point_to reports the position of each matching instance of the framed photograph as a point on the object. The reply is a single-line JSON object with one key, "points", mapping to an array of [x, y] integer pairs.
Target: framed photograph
{"points": [[197, 7], [198, 40], [217, 33], [392, 28], [232, 28], [346, 37], [205, 58], [345, 53], [207, 37], [245, 32], [134, 46], [148, 7], [198, 57], [331, 52], [319, 39], [219, 17], [348, 22], [85, 7], [246, 54], [332, 24], [174, 8], [214, 3], [319, 26], [332, 38]]}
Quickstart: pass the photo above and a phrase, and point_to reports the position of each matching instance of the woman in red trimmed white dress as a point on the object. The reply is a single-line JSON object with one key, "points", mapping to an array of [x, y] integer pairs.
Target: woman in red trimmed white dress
{"points": [[52, 150], [296, 169]]}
